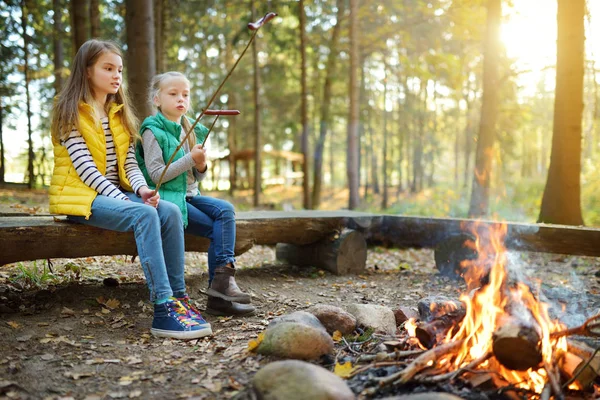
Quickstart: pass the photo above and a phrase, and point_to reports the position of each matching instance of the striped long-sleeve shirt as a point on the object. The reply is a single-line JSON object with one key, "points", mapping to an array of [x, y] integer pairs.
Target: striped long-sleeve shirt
{"points": [[106, 185]]}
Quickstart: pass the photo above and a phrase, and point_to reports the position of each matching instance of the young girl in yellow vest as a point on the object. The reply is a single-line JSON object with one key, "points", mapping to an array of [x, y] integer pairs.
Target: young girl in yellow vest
{"points": [[96, 181], [204, 216]]}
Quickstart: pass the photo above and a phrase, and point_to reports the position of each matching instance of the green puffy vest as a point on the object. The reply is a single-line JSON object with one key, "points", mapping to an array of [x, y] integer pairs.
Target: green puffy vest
{"points": [[167, 135]]}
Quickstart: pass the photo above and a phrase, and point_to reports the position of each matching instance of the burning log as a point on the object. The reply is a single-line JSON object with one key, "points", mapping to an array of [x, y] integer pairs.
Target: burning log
{"points": [[581, 364], [516, 344], [431, 333]]}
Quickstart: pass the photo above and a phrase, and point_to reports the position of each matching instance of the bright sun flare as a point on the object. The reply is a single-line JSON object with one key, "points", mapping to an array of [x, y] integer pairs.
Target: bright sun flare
{"points": [[529, 32]]}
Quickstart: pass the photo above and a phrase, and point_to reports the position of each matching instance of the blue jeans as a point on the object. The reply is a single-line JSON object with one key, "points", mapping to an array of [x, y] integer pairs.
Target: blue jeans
{"points": [[214, 219], [158, 235]]}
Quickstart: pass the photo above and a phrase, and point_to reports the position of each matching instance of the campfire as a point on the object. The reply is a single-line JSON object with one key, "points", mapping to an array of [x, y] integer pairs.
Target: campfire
{"points": [[498, 335]]}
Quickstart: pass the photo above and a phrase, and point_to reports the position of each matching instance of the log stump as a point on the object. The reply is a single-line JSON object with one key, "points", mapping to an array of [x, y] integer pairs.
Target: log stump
{"points": [[345, 253]]}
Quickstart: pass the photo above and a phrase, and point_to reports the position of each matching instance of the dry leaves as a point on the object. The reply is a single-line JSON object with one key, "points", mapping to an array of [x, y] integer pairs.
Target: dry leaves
{"points": [[254, 343], [13, 324]]}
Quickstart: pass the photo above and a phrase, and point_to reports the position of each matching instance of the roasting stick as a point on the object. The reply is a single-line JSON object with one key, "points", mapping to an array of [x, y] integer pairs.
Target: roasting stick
{"points": [[587, 329], [253, 26]]}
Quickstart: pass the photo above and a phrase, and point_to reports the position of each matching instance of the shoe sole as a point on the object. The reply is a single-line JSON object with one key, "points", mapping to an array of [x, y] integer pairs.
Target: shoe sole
{"points": [[186, 335], [241, 300], [212, 311]]}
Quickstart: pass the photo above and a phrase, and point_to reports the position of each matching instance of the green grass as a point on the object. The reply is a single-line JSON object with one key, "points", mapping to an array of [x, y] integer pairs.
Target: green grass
{"points": [[33, 275]]}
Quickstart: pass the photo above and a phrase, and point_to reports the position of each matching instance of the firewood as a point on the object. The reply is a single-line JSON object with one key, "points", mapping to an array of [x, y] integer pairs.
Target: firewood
{"points": [[420, 363], [581, 364], [433, 307], [342, 254], [516, 344], [430, 333]]}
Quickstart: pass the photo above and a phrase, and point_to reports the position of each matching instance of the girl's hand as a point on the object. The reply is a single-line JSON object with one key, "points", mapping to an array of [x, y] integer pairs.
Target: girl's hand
{"points": [[149, 197], [199, 156]]}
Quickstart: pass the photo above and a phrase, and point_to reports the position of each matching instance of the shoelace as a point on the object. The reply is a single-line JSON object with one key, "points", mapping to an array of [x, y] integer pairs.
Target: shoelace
{"points": [[188, 305], [181, 313]]}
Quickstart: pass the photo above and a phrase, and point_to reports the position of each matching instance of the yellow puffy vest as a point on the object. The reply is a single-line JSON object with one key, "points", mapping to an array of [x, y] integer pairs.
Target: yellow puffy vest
{"points": [[68, 194]]}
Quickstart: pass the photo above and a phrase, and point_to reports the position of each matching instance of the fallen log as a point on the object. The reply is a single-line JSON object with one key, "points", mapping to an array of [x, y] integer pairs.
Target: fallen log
{"points": [[42, 237], [39, 237], [342, 254]]}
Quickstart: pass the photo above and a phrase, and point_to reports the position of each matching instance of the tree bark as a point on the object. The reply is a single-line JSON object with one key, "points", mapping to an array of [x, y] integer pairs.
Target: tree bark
{"points": [[159, 34], [561, 202], [2, 158], [325, 106], [352, 169], [26, 41], [343, 254], [80, 22], [257, 135], [480, 192], [140, 53], [95, 19], [232, 128], [59, 53], [304, 107], [384, 155]]}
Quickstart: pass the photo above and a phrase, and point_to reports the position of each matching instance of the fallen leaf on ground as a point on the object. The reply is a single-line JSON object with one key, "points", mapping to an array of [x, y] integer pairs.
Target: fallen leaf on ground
{"points": [[12, 324], [254, 343], [337, 336], [343, 370]]}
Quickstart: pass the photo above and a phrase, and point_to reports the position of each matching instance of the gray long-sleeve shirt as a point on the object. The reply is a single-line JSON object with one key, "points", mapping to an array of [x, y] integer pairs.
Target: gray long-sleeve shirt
{"points": [[155, 164]]}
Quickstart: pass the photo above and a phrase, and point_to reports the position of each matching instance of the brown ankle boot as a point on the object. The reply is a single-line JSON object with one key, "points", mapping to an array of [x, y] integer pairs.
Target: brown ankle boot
{"points": [[224, 286], [219, 307]]}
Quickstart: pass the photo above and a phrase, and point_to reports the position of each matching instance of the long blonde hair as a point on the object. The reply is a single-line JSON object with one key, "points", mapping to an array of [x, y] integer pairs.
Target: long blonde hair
{"points": [[157, 84], [77, 88]]}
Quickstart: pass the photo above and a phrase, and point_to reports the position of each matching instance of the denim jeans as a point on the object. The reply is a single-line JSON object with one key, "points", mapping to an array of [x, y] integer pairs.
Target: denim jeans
{"points": [[158, 235], [214, 219]]}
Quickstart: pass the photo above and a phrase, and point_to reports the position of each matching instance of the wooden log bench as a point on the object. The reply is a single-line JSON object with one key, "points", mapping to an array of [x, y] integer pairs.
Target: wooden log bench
{"points": [[323, 239]]}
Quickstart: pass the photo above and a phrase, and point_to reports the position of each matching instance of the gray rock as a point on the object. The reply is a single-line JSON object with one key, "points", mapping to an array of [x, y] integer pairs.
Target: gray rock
{"points": [[334, 318], [380, 318], [299, 380]]}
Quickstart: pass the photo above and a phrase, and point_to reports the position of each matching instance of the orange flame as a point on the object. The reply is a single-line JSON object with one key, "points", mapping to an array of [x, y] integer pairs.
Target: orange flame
{"points": [[489, 294]]}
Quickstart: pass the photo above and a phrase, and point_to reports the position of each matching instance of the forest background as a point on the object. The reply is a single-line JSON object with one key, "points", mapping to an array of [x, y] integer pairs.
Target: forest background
{"points": [[481, 108]]}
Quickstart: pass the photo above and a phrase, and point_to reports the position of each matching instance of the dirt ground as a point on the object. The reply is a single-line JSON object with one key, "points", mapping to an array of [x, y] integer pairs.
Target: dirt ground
{"points": [[82, 331]]}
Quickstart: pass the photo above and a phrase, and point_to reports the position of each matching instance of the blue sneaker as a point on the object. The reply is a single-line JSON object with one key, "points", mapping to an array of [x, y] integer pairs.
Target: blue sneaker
{"points": [[172, 320]]}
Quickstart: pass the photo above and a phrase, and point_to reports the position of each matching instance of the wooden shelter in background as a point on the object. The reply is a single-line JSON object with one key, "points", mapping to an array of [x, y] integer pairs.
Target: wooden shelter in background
{"points": [[287, 167]]}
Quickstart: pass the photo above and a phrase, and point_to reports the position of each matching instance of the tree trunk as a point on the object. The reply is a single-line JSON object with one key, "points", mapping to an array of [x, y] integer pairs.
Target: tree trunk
{"points": [[26, 40], [480, 192], [59, 53], [80, 23], [325, 105], [384, 198], [561, 202], [140, 53], [95, 19], [159, 34], [304, 107], [231, 129], [352, 151], [257, 138], [2, 158]]}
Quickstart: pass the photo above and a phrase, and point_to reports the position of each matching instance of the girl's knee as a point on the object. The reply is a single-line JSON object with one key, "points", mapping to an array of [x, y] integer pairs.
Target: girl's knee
{"points": [[169, 211]]}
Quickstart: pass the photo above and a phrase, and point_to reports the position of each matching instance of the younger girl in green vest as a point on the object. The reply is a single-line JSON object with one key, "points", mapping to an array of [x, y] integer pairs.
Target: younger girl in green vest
{"points": [[96, 181], [204, 216]]}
